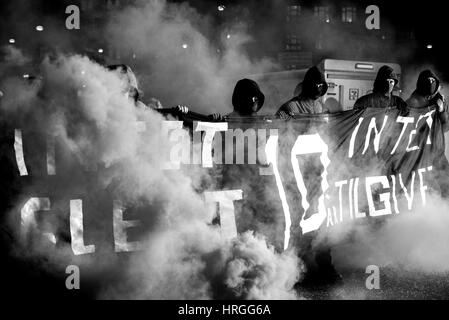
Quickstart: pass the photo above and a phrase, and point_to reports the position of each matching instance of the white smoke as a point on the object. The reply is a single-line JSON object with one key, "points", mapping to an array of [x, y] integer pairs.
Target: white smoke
{"points": [[409, 242], [84, 105], [179, 63]]}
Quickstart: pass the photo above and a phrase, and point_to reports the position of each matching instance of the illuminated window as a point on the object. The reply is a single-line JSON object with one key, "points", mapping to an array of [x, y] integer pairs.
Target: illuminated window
{"points": [[348, 14], [322, 13], [293, 43], [293, 12], [292, 39]]}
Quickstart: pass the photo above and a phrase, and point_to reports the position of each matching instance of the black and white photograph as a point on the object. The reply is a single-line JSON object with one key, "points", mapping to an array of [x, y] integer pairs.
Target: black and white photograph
{"points": [[224, 150]]}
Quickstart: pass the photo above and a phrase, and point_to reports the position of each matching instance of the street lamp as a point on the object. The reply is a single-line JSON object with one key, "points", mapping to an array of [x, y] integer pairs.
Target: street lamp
{"points": [[39, 28], [221, 8], [184, 46], [100, 50], [12, 41], [429, 46]]}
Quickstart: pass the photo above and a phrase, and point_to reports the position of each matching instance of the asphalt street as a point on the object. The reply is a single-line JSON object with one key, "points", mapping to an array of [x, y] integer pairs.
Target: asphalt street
{"points": [[395, 284]]}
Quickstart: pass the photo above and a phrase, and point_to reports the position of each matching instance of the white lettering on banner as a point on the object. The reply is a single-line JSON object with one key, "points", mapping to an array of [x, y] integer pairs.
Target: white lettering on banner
{"points": [[383, 197], [77, 229], [18, 149], [197, 142], [408, 148], [166, 127], [405, 121], [239, 136], [351, 186], [267, 171], [120, 226], [422, 187], [28, 216], [271, 155], [210, 128], [412, 184], [429, 122], [217, 148], [339, 185], [225, 200], [372, 126], [307, 144], [395, 200], [357, 214], [352, 141], [353, 183], [180, 152]]}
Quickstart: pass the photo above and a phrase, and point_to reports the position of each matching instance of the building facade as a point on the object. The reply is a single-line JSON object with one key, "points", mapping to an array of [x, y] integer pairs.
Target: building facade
{"points": [[314, 30]]}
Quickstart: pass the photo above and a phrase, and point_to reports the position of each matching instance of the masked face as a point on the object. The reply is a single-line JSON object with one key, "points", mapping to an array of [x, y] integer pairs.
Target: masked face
{"points": [[386, 87], [255, 104], [430, 86], [316, 90], [391, 84]]}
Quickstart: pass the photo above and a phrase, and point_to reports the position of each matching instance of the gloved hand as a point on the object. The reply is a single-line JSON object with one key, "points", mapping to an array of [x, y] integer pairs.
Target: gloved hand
{"points": [[284, 115], [182, 109], [216, 117], [440, 101]]}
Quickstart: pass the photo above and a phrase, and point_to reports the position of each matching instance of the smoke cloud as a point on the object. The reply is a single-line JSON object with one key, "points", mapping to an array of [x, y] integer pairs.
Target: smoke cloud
{"points": [[83, 105], [180, 64]]}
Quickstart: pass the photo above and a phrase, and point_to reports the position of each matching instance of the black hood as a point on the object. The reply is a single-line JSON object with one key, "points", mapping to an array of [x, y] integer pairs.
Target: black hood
{"points": [[384, 73], [313, 77], [421, 84], [244, 91]]}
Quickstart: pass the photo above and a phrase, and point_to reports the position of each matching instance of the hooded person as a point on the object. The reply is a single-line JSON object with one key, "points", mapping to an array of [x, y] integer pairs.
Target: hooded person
{"points": [[247, 100], [317, 259], [309, 92], [256, 212], [426, 97], [382, 95]]}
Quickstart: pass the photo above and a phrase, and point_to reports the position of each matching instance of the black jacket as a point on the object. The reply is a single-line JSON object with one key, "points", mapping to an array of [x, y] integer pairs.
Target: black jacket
{"points": [[378, 99], [421, 99], [307, 100]]}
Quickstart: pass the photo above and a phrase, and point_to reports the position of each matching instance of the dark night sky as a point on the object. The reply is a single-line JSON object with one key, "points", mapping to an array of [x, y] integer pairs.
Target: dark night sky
{"points": [[428, 20]]}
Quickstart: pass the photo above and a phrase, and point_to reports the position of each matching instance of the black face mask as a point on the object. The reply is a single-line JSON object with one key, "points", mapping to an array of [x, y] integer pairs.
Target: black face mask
{"points": [[429, 88], [384, 87], [316, 91]]}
